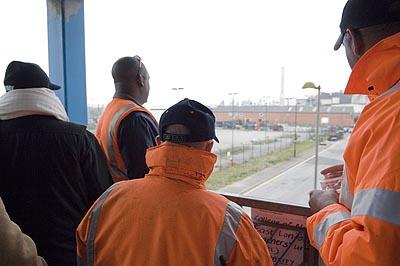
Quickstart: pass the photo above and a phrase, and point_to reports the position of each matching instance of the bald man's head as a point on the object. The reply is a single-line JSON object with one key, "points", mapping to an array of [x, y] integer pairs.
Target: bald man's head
{"points": [[125, 69], [131, 77]]}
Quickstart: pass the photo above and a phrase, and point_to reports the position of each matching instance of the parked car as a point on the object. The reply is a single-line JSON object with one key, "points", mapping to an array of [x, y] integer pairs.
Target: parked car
{"points": [[276, 127], [249, 125], [333, 138], [229, 124]]}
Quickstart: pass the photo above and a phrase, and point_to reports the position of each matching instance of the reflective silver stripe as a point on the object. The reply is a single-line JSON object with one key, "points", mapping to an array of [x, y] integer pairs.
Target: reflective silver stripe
{"points": [[114, 170], [93, 225], [322, 229], [379, 203], [392, 89], [227, 236], [345, 197]]}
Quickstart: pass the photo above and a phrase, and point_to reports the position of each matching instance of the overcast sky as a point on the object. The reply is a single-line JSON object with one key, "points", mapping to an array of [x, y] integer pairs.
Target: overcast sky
{"points": [[207, 47]]}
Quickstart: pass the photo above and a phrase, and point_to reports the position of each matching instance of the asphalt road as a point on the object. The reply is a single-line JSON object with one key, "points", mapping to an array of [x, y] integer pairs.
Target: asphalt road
{"points": [[293, 185]]}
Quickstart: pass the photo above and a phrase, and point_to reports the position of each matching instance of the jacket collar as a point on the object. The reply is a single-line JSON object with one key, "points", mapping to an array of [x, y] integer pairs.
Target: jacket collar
{"points": [[182, 163], [377, 70]]}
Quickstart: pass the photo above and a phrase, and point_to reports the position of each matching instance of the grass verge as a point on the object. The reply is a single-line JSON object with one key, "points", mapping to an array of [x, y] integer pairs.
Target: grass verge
{"points": [[237, 172]]}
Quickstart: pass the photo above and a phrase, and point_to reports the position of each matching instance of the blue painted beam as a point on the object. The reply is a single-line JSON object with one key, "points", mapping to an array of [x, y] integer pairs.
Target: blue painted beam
{"points": [[66, 48]]}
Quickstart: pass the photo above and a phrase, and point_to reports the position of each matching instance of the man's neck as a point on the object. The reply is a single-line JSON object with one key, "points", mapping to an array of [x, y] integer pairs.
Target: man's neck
{"points": [[126, 96]]}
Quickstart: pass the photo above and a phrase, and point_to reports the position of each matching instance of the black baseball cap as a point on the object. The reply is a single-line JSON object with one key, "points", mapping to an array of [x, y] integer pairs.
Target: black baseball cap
{"points": [[359, 14], [196, 117], [21, 75]]}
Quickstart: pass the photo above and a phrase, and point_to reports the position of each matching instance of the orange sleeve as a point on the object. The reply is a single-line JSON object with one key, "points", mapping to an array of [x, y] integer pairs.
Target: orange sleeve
{"points": [[81, 238], [250, 248], [358, 240], [315, 222]]}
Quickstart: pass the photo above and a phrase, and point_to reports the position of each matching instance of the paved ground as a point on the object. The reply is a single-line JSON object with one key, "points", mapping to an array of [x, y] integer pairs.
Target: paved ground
{"points": [[241, 137], [247, 152], [246, 147], [290, 181]]}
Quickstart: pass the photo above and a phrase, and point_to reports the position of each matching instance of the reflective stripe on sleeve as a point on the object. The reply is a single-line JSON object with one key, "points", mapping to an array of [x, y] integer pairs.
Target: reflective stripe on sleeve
{"points": [[227, 236], [323, 227], [345, 196], [114, 169], [93, 225], [379, 203]]}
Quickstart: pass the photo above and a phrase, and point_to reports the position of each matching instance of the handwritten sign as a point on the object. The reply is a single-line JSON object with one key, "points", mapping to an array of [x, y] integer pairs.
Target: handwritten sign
{"points": [[285, 235]]}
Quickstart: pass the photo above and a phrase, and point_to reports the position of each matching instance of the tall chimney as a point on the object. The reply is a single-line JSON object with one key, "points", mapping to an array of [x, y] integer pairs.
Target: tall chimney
{"points": [[282, 98]]}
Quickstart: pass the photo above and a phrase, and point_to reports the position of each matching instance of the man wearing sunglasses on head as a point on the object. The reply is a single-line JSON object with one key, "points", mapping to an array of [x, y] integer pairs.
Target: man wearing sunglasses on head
{"points": [[126, 129]]}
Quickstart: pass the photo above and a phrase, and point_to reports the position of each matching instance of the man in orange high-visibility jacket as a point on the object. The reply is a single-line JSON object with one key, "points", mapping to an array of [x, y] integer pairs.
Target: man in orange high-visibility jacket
{"points": [[168, 217], [126, 129], [361, 226]]}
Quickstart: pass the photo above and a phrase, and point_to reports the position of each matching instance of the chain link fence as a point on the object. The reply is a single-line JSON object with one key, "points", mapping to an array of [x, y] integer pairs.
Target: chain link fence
{"points": [[245, 152]]}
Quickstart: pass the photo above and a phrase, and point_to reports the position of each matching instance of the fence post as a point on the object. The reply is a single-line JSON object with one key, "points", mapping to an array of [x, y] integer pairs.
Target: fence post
{"points": [[220, 160], [243, 155]]}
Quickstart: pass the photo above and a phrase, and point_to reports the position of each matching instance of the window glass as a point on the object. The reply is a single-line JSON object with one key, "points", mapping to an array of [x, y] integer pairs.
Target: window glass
{"points": [[24, 34], [255, 54]]}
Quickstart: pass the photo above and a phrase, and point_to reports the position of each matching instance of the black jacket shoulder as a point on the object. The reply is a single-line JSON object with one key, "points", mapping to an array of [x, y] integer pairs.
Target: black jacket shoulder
{"points": [[51, 172]]}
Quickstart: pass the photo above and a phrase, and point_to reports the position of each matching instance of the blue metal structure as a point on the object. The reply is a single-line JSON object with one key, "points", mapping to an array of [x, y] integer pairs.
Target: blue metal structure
{"points": [[66, 48]]}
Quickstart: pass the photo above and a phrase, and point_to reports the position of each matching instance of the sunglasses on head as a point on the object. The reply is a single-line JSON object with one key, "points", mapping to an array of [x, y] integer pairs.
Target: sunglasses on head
{"points": [[140, 64]]}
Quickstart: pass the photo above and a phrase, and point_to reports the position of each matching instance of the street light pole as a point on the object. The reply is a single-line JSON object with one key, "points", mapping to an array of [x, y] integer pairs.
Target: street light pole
{"points": [[295, 130], [177, 92], [295, 125], [317, 138], [266, 118], [266, 122], [310, 85], [233, 122]]}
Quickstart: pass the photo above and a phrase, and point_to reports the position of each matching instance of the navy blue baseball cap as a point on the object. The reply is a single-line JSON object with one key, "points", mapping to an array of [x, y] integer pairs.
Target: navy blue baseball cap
{"points": [[21, 75], [359, 14], [197, 118]]}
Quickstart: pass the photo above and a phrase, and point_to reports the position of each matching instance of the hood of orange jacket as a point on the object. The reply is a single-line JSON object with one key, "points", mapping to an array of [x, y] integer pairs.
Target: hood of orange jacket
{"points": [[377, 70], [181, 163]]}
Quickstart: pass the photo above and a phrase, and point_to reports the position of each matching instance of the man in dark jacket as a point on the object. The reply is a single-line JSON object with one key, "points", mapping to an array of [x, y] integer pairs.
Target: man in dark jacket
{"points": [[51, 170]]}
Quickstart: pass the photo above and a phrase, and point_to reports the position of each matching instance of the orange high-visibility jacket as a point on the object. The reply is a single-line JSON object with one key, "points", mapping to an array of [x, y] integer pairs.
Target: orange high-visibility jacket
{"points": [[107, 133], [364, 228], [169, 218]]}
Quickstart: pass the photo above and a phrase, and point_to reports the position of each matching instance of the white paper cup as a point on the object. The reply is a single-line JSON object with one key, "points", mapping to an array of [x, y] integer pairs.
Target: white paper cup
{"points": [[331, 183]]}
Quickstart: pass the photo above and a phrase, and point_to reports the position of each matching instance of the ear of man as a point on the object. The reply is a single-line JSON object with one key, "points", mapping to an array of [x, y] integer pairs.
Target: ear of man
{"points": [[209, 146], [357, 42], [158, 140]]}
